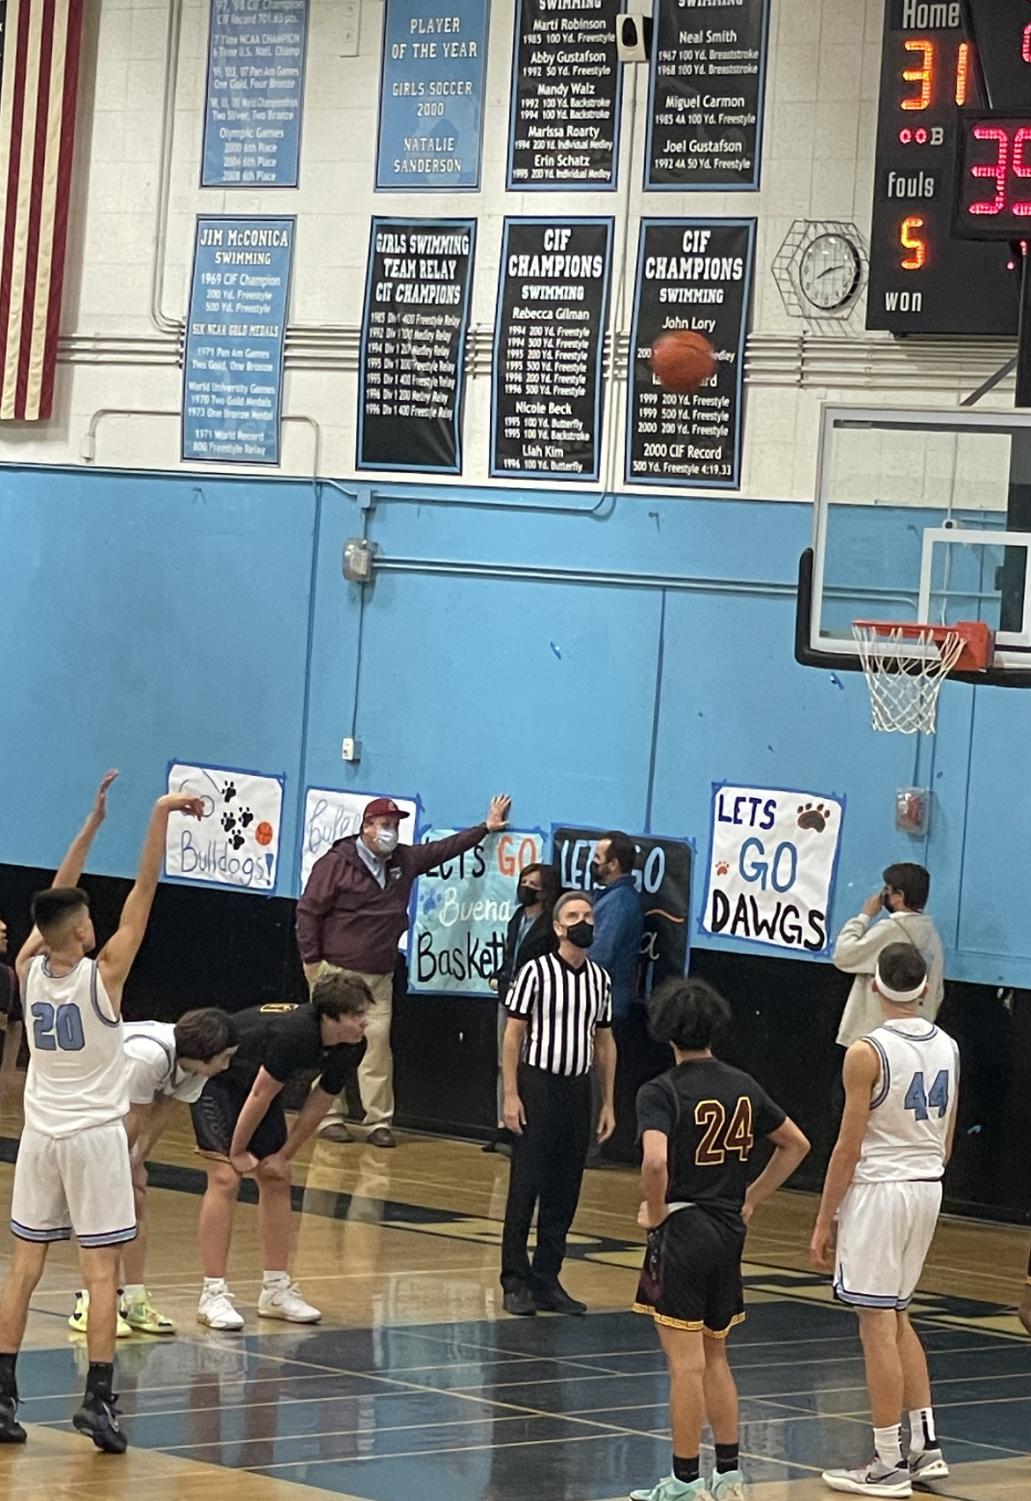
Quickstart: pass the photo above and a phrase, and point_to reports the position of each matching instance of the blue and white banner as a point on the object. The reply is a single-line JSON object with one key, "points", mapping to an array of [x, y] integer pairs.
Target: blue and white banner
{"points": [[235, 336], [432, 94], [773, 861], [462, 911], [252, 115]]}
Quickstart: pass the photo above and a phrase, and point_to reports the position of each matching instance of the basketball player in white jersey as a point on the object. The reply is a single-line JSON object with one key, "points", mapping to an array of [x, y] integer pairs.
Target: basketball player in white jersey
{"points": [[883, 1186], [73, 1174], [164, 1063]]}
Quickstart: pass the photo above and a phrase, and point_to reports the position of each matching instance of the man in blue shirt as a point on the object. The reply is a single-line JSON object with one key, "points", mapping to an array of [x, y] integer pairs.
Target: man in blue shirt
{"points": [[618, 918], [618, 930]]}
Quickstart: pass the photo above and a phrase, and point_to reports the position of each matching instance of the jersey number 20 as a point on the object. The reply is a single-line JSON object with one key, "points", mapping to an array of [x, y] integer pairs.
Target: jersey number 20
{"points": [[918, 1099], [61, 1029]]}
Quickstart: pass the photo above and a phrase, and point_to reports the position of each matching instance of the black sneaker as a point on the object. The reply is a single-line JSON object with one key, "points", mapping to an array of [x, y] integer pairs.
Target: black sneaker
{"points": [[553, 1298], [98, 1417], [520, 1301], [11, 1431]]}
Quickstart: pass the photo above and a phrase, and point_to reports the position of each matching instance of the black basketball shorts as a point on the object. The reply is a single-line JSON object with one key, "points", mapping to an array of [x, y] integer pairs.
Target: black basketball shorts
{"points": [[217, 1111], [691, 1278]]}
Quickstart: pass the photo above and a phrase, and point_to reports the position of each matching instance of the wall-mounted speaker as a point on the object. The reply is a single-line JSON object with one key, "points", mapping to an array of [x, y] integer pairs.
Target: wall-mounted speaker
{"points": [[633, 39]]}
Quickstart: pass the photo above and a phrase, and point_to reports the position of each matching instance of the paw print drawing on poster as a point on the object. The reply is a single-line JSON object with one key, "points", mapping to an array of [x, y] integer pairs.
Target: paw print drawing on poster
{"points": [[236, 839], [246, 817], [813, 817], [228, 792], [722, 867], [228, 822]]}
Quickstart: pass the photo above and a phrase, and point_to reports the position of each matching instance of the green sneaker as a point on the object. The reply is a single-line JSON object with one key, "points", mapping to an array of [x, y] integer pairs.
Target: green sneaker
{"points": [[730, 1486], [672, 1489], [79, 1320], [141, 1315]]}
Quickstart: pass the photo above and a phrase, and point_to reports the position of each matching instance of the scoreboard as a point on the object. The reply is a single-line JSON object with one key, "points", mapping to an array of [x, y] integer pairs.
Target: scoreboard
{"points": [[924, 278]]}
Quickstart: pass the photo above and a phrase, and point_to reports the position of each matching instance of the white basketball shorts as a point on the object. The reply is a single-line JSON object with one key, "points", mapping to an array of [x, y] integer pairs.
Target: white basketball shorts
{"points": [[80, 1183], [884, 1233]]}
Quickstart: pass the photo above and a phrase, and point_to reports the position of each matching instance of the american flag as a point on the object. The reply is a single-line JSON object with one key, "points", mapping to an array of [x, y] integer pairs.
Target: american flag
{"points": [[40, 49]]}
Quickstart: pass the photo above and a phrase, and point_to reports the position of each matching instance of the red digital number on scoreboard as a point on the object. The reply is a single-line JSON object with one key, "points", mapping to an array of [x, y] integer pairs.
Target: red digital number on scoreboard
{"points": [[993, 199]]}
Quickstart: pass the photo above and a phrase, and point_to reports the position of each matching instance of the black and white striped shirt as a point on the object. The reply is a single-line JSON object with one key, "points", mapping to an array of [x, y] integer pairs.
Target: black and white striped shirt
{"points": [[563, 1006]]}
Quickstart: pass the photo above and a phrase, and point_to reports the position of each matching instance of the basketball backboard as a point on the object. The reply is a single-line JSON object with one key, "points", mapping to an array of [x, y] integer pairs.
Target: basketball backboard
{"points": [[913, 522]]}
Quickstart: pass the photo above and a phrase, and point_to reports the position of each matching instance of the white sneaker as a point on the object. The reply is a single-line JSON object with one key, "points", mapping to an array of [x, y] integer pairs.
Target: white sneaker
{"points": [[930, 1465], [285, 1302], [216, 1310], [874, 1479]]}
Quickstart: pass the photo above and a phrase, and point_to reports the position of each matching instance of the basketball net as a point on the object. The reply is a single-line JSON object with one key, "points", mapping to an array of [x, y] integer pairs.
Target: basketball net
{"points": [[905, 668]]}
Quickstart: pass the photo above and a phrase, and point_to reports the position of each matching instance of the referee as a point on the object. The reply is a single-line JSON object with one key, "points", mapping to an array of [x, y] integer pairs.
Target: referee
{"points": [[559, 1023]]}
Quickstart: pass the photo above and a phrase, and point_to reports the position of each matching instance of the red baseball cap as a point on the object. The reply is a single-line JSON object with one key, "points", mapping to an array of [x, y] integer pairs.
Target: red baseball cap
{"points": [[383, 807]]}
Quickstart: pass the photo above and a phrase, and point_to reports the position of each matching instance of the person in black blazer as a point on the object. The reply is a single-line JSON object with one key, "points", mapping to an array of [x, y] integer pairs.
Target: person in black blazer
{"points": [[530, 935]]}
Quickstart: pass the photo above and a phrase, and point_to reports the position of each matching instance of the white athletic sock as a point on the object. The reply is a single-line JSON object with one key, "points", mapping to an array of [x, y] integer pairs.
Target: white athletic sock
{"points": [[134, 1292], [215, 1285], [921, 1430], [888, 1444], [270, 1281]]}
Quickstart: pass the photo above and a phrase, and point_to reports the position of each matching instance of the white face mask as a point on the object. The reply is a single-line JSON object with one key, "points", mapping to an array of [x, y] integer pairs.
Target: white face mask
{"points": [[386, 841]]}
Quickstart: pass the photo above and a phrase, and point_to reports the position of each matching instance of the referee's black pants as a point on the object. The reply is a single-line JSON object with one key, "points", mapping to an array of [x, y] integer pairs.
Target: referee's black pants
{"points": [[547, 1168]]}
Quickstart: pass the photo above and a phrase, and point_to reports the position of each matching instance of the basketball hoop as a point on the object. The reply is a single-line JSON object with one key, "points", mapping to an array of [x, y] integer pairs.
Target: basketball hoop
{"points": [[906, 663]]}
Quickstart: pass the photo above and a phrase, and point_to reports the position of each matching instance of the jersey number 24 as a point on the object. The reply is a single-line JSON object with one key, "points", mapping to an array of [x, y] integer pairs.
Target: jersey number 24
{"points": [[60, 1029], [921, 1100], [718, 1137]]}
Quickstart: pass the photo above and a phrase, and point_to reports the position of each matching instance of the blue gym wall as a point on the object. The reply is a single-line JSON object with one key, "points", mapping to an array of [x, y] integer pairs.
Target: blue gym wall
{"points": [[605, 660]]}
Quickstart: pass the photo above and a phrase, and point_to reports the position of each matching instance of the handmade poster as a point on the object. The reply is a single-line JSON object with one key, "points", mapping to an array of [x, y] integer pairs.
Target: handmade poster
{"points": [[432, 94], [236, 842], [330, 814], [663, 878], [773, 860], [462, 910], [252, 116], [235, 340], [692, 274]]}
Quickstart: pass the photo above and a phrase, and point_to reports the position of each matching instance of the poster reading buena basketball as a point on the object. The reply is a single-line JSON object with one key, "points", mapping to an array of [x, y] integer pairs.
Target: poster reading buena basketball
{"points": [[691, 274], [773, 860]]}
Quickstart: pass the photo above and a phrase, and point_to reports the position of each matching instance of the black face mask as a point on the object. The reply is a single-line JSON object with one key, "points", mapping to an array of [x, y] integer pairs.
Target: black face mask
{"points": [[527, 896], [596, 872], [581, 934]]}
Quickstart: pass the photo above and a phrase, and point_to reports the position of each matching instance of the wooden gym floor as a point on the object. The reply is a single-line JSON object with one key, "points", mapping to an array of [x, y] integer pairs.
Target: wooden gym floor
{"points": [[417, 1387]]}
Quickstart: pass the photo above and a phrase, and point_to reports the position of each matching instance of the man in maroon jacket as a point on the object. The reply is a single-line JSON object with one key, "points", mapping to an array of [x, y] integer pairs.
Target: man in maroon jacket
{"points": [[352, 914]]}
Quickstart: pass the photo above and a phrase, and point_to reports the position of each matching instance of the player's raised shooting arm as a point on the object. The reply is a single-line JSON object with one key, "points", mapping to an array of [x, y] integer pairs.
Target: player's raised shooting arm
{"points": [[116, 957], [71, 867]]}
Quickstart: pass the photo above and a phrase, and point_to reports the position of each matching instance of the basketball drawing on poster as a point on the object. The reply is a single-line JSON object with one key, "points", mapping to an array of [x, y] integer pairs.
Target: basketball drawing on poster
{"points": [[462, 912], [773, 859], [237, 840], [330, 814]]}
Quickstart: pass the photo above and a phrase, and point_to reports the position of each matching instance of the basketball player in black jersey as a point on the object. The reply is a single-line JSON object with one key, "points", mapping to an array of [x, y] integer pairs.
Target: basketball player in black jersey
{"points": [[698, 1125]]}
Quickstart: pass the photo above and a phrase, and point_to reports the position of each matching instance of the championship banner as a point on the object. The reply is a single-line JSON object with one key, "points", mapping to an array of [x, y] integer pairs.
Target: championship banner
{"points": [[38, 82], [773, 860], [462, 912], [252, 115]]}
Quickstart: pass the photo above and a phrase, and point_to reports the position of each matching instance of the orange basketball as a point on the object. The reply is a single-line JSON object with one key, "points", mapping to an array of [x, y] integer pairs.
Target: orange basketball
{"points": [[683, 360], [263, 833]]}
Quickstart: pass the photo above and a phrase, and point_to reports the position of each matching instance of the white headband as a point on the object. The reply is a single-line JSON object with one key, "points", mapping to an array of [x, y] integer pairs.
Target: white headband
{"points": [[899, 997]]}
